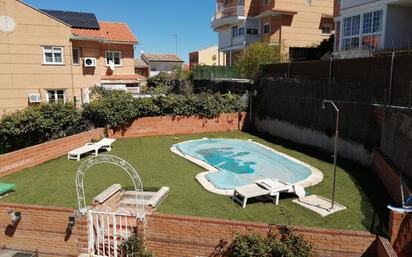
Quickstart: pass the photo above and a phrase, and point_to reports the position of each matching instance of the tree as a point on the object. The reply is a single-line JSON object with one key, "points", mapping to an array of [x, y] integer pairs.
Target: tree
{"points": [[258, 54]]}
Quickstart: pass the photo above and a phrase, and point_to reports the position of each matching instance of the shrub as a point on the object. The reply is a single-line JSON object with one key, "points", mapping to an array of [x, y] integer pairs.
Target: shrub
{"points": [[134, 247], [248, 246], [39, 124], [118, 109], [112, 109], [285, 243]]}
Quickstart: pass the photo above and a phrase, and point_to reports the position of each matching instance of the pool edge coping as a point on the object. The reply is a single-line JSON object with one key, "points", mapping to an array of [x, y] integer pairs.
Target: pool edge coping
{"points": [[313, 179]]}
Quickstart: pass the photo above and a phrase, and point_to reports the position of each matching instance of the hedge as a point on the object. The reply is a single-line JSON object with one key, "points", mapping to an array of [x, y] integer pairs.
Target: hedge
{"points": [[109, 109]]}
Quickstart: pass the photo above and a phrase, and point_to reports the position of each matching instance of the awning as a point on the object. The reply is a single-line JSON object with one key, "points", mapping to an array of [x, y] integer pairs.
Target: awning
{"points": [[276, 12]]}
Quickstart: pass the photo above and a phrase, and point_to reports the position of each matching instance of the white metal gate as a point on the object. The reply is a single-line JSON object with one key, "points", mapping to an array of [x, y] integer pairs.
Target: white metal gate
{"points": [[107, 231]]}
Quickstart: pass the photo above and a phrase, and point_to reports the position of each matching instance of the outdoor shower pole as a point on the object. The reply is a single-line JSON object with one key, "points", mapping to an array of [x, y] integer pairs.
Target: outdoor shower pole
{"points": [[335, 151]]}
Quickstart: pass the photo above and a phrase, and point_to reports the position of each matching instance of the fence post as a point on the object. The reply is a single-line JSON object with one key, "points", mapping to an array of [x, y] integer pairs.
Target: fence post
{"points": [[391, 79], [410, 94], [330, 68]]}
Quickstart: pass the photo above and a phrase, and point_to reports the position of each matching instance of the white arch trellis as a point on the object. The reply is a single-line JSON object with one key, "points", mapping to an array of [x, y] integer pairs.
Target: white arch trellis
{"points": [[110, 159]]}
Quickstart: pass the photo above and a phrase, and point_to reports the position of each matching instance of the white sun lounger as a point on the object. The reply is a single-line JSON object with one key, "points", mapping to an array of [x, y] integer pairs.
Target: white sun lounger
{"points": [[105, 144], [270, 188]]}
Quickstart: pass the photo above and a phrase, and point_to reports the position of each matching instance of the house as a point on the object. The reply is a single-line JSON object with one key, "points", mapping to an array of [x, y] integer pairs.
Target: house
{"points": [[207, 56], [290, 23], [141, 67], [373, 24], [162, 63], [57, 56]]}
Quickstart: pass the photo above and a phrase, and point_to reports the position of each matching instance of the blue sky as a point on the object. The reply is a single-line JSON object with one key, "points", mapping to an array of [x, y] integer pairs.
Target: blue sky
{"points": [[153, 22]]}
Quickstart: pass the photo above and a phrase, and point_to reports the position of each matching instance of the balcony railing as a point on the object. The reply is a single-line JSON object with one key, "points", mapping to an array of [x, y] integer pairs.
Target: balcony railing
{"points": [[225, 12]]}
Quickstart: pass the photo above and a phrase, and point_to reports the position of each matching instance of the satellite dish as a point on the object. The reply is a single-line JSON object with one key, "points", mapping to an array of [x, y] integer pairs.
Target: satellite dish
{"points": [[111, 65]]}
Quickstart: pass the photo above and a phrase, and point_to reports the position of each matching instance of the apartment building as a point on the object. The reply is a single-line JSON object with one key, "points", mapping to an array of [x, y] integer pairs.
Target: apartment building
{"points": [[292, 23], [373, 24], [57, 56], [207, 56]]}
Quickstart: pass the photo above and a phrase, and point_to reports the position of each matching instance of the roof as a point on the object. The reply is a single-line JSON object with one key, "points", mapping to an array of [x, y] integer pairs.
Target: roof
{"points": [[75, 19], [327, 16], [124, 77], [139, 63], [276, 12], [161, 58], [109, 31]]}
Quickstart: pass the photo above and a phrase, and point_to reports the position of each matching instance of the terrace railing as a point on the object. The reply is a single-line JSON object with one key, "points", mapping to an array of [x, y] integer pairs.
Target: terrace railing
{"points": [[225, 12]]}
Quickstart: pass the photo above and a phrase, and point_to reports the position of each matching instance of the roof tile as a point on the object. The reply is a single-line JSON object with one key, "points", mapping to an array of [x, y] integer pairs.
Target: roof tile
{"points": [[161, 58], [111, 31]]}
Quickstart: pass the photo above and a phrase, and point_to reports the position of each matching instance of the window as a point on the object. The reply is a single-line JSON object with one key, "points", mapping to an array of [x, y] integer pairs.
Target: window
{"points": [[266, 2], [266, 28], [234, 31], [241, 31], [308, 2], [351, 30], [366, 36], [326, 29], [56, 96], [372, 29], [115, 56], [52, 55], [240, 2], [76, 56], [252, 31], [214, 57]]}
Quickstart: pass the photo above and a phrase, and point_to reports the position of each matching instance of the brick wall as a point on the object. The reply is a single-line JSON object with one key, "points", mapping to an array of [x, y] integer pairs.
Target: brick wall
{"points": [[400, 228], [38, 154], [388, 175], [43, 229], [170, 235], [167, 125]]}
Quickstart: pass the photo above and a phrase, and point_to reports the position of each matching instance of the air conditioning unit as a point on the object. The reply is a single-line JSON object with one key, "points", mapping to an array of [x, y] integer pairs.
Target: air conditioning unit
{"points": [[89, 62], [34, 98]]}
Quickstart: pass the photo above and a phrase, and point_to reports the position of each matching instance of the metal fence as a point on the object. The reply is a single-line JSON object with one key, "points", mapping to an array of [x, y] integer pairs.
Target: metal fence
{"points": [[215, 72], [387, 77]]}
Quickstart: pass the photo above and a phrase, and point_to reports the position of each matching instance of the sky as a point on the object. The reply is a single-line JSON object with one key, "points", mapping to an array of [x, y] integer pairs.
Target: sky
{"points": [[154, 23]]}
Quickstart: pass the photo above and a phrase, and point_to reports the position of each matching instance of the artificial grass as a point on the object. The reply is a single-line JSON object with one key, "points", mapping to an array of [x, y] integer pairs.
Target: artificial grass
{"points": [[53, 184]]}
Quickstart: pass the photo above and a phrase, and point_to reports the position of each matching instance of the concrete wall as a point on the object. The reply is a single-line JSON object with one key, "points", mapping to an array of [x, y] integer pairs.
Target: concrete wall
{"points": [[348, 149], [353, 3], [210, 56]]}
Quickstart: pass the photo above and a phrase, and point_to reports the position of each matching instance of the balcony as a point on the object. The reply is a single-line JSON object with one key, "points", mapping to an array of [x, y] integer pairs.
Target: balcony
{"points": [[227, 15]]}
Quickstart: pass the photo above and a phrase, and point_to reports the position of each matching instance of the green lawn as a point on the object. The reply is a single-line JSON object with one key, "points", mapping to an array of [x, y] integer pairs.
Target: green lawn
{"points": [[53, 184]]}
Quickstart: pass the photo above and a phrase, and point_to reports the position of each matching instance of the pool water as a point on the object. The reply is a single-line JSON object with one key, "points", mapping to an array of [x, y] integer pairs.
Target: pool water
{"points": [[241, 162]]}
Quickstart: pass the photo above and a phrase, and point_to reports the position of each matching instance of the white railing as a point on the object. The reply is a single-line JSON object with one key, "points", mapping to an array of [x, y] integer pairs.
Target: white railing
{"points": [[133, 90], [225, 12]]}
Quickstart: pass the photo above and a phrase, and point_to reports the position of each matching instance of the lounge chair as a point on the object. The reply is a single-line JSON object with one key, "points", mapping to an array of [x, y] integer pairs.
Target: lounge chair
{"points": [[270, 188], [5, 188], [105, 144]]}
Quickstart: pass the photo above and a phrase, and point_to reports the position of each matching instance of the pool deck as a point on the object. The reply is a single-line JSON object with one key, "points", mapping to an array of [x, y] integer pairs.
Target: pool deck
{"points": [[315, 178]]}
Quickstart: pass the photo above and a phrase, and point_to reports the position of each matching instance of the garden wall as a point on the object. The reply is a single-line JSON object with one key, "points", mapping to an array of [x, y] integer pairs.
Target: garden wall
{"points": [[38, 154], [43, 229], [176, 236], [400, 227], [168, 125]]}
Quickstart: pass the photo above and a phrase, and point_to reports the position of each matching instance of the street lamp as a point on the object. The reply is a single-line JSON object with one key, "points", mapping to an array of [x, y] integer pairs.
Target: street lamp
{"points": [[335, 154]]}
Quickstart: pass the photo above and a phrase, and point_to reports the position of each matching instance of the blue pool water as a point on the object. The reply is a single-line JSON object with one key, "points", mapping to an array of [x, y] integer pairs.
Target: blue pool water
{"points": [[241, 162]]}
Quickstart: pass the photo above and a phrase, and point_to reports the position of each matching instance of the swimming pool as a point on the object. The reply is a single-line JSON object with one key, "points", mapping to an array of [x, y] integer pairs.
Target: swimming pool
{"points": [[232, 163]]}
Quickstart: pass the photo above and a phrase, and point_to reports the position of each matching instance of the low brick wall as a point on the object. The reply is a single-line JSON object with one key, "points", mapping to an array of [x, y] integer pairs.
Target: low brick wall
{"points": [[42, 229], [400, 228], [388, 175], [176, 236], [168, 125], [38, 154]]}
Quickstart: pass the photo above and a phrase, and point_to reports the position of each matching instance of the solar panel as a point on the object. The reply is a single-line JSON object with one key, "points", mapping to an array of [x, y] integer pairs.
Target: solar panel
{"points": [[75, 19]]}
